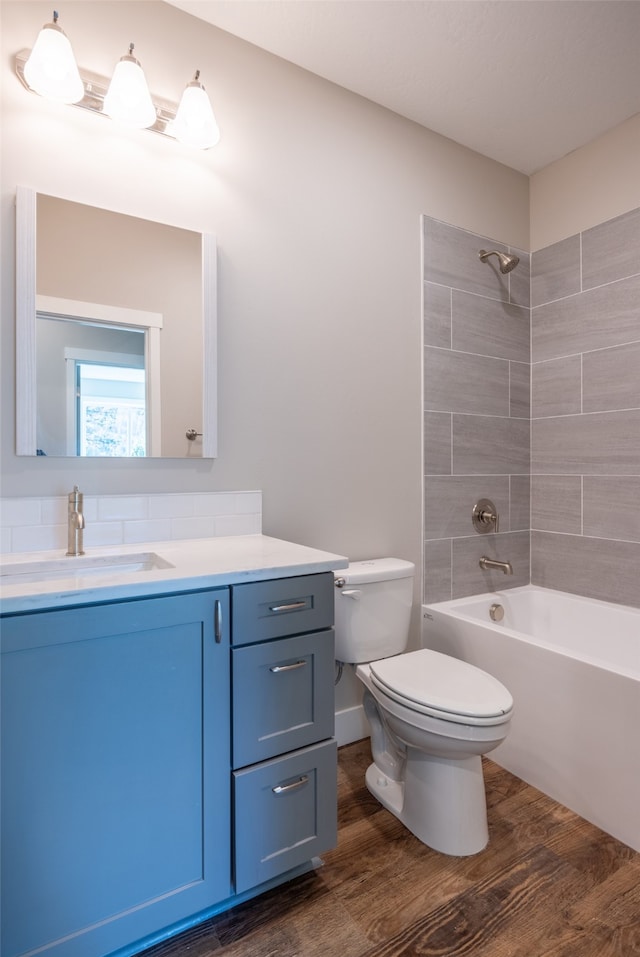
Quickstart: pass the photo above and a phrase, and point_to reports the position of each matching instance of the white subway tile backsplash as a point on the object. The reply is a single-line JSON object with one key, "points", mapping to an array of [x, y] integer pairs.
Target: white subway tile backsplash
{"points": [[238, 524], [103, 533], [248, 502], [37, 524], [193, 527], [171, 506], [16, 512], [35, 538], [112, 507], [152, 530]]}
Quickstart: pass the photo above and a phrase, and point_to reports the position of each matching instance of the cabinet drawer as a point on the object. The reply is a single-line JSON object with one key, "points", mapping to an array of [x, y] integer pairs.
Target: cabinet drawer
{"points": [[285, 606], [283, 696], [286, 813]]}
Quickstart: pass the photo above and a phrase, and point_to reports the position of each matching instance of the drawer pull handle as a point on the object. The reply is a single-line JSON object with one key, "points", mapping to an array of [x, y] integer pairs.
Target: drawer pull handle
{"points": [[291, 606], [276, 669], [217, 619], [283, 788]]}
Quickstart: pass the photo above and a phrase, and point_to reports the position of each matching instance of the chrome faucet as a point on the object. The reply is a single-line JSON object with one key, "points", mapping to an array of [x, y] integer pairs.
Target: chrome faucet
{"points": [[75, 523], [488, 563]]}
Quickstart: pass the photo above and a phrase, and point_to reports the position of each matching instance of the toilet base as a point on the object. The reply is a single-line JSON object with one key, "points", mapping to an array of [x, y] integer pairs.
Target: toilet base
{"points": [[441, 800]]}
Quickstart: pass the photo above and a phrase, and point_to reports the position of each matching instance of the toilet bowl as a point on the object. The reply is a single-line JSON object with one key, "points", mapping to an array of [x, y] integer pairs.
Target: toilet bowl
{"points": [[432, 717], [439, 793]]}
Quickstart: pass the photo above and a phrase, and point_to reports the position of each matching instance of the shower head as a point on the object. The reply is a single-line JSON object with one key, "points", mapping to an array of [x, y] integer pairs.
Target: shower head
{"points": [[507, 261]]}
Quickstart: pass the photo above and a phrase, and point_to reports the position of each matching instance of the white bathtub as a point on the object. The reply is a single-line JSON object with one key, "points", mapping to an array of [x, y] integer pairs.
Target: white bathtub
{"points": [[573, 667]]}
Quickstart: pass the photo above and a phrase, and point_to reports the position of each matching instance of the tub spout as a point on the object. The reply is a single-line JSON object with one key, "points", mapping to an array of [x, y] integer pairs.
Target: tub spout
{"points": [[494, 563]]}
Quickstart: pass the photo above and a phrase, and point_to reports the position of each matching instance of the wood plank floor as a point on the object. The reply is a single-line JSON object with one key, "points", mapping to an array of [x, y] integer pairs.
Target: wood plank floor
{"points": [[547, 885]]}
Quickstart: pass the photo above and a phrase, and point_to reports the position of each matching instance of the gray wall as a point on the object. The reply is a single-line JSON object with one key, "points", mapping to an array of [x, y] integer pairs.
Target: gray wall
{"points": [[315, 196], [585, 484], [476, 412]]}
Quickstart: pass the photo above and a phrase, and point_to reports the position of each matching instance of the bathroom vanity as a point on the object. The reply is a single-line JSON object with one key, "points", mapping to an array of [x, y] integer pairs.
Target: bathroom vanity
{"points": [[167, 741]]}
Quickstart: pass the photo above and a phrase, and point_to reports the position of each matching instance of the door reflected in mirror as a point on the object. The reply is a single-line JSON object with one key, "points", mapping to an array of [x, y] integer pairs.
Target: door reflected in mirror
{"points": [[115, 334]]}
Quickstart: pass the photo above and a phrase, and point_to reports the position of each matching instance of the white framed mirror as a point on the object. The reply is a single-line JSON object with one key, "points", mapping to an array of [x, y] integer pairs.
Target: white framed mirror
{"points": [[116, 334]]}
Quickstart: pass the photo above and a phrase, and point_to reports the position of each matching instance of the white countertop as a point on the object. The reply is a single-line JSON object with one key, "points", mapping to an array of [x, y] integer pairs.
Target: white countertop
{"points": [[198, 563]]}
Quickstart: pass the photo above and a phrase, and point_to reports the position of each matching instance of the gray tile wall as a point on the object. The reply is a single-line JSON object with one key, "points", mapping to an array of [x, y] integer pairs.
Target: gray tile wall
{"points": [[585, 442], [476, 412], [536, 408]]}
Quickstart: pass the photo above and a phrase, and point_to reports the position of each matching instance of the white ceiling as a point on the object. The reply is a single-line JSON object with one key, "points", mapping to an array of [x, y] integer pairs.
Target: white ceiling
{"points": [[521, 81]]}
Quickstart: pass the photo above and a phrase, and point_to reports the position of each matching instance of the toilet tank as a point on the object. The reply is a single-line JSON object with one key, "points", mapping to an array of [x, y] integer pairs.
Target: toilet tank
{"points": [[373, 609]]}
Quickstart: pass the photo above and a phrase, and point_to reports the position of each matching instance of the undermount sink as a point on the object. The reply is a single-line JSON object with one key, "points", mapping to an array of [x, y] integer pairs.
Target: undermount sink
{"points": [[23, 573]]}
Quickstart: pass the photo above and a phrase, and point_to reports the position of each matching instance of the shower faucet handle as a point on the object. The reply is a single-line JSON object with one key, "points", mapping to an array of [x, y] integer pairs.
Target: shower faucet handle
{"points": [[485, 516]]}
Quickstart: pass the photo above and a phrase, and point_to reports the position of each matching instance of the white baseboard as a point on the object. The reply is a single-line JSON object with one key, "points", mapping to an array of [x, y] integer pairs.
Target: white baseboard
{"points": [[351, 725]]}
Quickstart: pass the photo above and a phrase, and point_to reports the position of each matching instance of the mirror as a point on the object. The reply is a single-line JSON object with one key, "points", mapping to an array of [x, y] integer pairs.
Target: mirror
{"points": [[115, 334]]}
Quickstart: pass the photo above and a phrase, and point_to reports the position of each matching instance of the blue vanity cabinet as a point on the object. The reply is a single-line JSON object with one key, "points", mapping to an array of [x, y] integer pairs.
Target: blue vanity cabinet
{"points": [[115, 771], [283, 751]]}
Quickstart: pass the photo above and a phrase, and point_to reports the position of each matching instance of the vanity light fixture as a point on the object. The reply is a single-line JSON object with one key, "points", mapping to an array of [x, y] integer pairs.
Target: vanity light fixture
{"points": [[195, 124], [50, 70], [128, 99]]}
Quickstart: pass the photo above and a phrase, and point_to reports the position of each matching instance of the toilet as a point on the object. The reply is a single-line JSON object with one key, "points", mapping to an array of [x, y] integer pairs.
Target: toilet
{"points": [[432, 717]]}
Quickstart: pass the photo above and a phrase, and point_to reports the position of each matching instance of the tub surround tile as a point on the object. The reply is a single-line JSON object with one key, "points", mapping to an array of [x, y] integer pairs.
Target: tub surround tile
{"points": [[451, 259], [467, 576], [596, 319], [555, 271], [519, 390], [611, 250], [612, 508], [461, 382], [519, 502], [520, 280], [601, 443], [449, 502], [490, 328], [576, 409], [437, 443], [594, 567], [437, 315], [437, 570], [585, 484], [611, 378], [556, 503], [477, 394], [556, 387], [487, 445]]}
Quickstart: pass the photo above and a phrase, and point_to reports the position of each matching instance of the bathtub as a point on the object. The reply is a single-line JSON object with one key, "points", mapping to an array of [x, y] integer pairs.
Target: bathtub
{"points": [[572, 665]]}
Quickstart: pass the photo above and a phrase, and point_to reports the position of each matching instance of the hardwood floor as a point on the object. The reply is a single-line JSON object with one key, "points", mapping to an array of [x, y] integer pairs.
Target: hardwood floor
{"points": [[548, 885]]}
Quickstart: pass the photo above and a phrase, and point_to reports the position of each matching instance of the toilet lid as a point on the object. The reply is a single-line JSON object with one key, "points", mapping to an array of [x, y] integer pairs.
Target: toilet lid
{"points": [[428, 679]]}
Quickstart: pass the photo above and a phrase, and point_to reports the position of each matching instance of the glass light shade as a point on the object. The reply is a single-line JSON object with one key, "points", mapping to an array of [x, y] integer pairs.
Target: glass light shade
{"points": [[195, 124], [51, 69], [128, 99]]}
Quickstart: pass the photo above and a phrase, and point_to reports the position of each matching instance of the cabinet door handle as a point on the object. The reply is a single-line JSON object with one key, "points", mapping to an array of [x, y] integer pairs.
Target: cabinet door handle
{"points": [[291, 606], [276, 669], [283, 788], [217, 621]]}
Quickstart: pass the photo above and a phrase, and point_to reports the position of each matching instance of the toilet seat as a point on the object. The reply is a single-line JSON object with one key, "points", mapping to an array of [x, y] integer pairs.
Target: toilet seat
{"points": [[443, 687]]}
